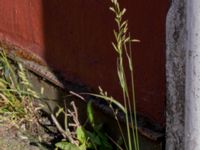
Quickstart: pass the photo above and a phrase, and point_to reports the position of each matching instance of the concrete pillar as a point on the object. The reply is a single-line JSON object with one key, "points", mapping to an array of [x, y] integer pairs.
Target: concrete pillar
{"points": [[175, 74], [192, 103], [183, 75]]}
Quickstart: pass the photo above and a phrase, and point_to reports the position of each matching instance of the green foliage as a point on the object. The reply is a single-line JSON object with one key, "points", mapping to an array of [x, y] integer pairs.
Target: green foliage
{"points": [[15, 92], [81, 135], [82, 139], [90, 113], [67, 146], [97, 136]]}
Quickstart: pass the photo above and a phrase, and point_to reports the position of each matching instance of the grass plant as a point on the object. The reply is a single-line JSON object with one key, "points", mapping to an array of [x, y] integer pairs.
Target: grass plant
{"points": [[16, 93], [122, 47]]}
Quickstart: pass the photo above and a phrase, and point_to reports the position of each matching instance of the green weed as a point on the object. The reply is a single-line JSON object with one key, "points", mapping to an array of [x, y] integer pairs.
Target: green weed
{"points": [[84, 138], [16, 93], [122, 47], [75, 135]]}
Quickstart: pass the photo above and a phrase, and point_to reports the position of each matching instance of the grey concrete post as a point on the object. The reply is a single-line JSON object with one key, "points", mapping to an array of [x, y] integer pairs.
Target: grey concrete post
{"points": [[192, 103], [175, 74]]}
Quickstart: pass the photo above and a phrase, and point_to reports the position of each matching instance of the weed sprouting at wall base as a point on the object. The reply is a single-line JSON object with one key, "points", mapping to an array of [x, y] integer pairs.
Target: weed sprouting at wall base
{"points": [[16, 93], [122, 47], [79, 138]]}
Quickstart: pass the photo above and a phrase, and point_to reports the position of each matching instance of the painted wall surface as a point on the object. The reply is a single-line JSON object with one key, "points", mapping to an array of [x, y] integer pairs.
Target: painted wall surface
{"points": [[74, 36]]}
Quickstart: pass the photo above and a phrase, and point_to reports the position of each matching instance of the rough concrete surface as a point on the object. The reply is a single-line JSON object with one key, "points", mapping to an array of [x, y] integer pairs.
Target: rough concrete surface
{"points": [[192, 100], [175, 74]]}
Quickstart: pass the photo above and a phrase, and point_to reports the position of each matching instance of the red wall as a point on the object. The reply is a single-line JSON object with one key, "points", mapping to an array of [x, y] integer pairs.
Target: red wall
{"points": [[75, 36]]}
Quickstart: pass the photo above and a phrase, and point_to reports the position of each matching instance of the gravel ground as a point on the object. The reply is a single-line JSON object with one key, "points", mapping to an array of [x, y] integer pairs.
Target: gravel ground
{"points": [[38, 136]]}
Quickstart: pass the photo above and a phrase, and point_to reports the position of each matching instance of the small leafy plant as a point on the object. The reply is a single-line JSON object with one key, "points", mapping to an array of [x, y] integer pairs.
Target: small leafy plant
{"points": [[75, 135]]}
